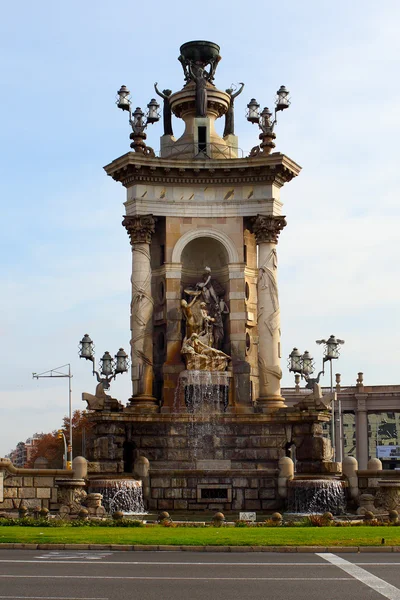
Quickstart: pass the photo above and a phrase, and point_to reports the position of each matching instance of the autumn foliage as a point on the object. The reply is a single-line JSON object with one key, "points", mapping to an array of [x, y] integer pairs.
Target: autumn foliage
{"points": [[49, 446]]}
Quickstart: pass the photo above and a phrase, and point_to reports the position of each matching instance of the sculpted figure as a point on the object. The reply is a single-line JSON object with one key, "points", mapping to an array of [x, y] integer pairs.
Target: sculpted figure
{"points": [[207, 289], [230, 117], [193, 324], [167, 114], [207, 328], [199, 75]]}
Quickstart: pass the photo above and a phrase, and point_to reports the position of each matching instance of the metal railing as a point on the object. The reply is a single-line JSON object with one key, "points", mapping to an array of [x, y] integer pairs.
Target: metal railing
{"points": [[208, 151]]}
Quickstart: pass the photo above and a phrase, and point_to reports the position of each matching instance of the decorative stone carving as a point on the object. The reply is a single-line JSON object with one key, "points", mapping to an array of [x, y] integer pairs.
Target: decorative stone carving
{"points": [[317, 400], [200, 357], [71, 495], [101, 400], [140, 229], [267, 228]]}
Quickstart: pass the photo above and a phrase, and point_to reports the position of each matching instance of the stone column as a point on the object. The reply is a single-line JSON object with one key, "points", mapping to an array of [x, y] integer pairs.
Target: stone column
{"points": [[362, 431], [140, 230], [267, 230]]}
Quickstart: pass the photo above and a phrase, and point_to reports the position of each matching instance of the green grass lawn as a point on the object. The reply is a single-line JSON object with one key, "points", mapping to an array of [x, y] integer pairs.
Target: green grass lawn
{"points": [[210, 536]]}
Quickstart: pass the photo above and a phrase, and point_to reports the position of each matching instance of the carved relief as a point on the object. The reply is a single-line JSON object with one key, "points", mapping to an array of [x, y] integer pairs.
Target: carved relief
{"points": [[140, 229], [267, 228]]}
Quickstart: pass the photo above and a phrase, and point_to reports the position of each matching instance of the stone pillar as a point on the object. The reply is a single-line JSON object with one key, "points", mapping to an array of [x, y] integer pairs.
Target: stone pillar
{"points": [[350, 467], [286, 473], [362, 431], [266, 230], [173, 364], [140, 230]]}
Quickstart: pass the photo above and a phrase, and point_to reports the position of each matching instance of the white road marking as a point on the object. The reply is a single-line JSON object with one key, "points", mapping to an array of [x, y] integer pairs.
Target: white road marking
{"points": [[179, 564], [376, 583], [76, 555], [177, 578]]}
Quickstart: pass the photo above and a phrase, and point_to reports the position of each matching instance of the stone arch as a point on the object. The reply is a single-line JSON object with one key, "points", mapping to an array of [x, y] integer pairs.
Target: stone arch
{"points": [[221, 237]]}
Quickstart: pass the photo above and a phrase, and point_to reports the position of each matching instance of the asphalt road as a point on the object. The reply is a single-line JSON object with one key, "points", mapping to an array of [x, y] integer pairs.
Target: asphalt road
{"points": [[96, 575]]}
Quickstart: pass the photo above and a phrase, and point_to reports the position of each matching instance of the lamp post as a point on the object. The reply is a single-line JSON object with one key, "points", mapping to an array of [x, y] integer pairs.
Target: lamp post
{"points": [[109, 367], [331, 352], [264, 120], [57, 373], [303, 364], [138, 120]]}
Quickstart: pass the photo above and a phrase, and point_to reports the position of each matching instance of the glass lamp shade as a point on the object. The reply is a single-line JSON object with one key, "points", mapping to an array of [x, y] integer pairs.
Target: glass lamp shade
{"points": [[295, 361], [121, 361], [332, 348], [123, 101], [153, 115], [308, 363], [253, 111], [86, 347], [106, 364], [265, 118], [138, 124], [282, 100]]}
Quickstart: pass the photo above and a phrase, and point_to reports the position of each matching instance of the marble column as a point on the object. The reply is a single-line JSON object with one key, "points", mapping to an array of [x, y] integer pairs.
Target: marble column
{"points": [[362, 430], [140, 230], [267, 230]]}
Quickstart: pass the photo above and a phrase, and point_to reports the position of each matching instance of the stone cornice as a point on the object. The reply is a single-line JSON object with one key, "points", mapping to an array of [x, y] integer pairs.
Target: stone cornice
{"points": [[132, 168]]}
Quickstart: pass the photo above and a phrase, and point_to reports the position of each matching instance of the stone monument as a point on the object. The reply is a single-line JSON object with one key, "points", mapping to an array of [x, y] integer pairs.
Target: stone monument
{"points": [[206, 409]]}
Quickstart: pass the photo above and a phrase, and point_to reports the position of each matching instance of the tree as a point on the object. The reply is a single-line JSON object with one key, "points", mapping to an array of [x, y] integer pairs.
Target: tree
{"points": [[51, 447]]}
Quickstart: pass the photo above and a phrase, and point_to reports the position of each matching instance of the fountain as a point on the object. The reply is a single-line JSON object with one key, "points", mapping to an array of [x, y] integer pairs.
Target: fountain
{"points": [[316, 495], [206, 410], [124, 495]]}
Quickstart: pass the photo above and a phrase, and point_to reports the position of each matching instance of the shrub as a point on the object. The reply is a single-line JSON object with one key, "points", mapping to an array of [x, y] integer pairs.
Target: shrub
{"points": [[241, 523], [314, 521]]}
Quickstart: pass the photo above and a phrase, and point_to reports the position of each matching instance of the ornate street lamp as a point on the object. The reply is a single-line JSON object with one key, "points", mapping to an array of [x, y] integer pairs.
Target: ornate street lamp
{"points": [[138, 120], [332, 352], [303, 365], [264, 121], [109, 367]]}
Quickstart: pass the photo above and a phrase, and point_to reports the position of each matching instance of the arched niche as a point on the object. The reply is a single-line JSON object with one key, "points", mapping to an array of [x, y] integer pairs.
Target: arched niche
{"points": [[219, 236]]}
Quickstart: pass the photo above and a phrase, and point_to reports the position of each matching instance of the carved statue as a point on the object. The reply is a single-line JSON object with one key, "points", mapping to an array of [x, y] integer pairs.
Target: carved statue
{"points": [[192, 324], [317, 400], [208, 321], [167, 113], [204, 317], [230, 117], [199, 75], [207, 289], [101, 400], [199, 356]]}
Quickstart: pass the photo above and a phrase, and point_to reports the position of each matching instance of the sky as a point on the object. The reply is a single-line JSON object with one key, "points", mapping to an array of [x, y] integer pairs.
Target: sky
{"points": [[65, 259]]}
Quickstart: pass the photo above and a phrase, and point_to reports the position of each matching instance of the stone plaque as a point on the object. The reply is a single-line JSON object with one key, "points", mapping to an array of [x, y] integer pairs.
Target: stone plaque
{"points": [[1, 487], [247, 516], [213, 465]]}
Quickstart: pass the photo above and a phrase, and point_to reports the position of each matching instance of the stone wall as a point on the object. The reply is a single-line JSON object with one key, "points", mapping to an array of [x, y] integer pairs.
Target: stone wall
{"points": [[29, 487], [205, 490]]}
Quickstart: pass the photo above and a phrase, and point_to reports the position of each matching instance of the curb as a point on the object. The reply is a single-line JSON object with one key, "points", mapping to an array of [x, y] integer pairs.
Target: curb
{"points": [[170, 548]]}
